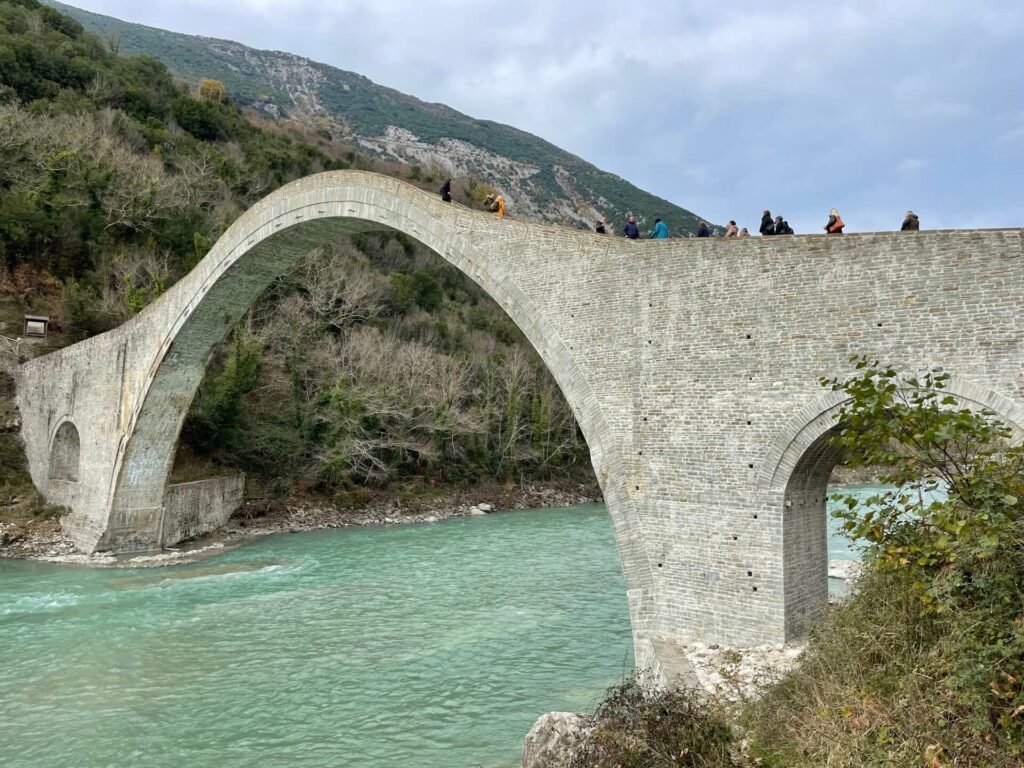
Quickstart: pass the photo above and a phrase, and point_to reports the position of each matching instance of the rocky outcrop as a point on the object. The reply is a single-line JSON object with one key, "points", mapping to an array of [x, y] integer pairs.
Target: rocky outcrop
{"points": [[739, 674], [555, 738]]}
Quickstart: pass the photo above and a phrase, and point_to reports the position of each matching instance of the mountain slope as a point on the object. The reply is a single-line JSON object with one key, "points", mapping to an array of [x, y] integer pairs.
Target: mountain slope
{"points": [[373, 363], [540, 180]]}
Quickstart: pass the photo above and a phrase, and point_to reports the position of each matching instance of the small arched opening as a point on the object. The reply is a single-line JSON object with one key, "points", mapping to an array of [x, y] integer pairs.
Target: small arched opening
{"points": [[64, 453], [805, 535], [801, 461]]}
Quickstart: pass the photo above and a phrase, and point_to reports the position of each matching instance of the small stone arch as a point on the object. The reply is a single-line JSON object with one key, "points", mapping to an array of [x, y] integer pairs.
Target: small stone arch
{"points": [[65, 453], [804, 431], [797, 468]]}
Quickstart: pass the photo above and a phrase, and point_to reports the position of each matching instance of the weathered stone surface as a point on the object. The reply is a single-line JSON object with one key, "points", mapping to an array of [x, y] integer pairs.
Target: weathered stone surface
{"points": [[692, 366], [553, 739], [192, 509]]}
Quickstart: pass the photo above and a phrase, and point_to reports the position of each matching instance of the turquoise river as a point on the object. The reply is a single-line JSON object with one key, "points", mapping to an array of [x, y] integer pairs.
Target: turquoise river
{"points": [[427, 646]]}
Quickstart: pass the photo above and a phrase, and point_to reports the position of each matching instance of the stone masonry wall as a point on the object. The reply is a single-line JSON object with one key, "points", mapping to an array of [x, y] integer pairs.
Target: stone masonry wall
{"points": [[192, 509], [691, 364]]}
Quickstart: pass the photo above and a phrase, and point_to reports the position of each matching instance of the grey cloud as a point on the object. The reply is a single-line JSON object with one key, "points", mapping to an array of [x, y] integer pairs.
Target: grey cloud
{"points": [[727, 108]]}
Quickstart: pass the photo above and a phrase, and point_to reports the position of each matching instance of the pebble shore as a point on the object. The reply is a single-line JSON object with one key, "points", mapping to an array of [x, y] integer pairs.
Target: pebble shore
{"points": [[44, 540]]}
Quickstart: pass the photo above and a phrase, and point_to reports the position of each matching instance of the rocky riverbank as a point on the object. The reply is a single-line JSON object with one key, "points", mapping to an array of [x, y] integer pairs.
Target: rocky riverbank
{"points": [[726, 674], [44, 539]]}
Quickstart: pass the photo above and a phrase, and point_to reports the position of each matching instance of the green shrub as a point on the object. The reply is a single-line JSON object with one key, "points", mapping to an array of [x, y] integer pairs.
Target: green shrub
{"points": [[640, 728], [202, 119], [925, 664], [417, 288], [218, 410]]}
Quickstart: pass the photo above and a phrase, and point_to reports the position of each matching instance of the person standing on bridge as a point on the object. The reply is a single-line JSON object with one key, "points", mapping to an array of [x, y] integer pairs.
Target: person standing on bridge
{"points": [[910, 223], [600, 228], [702, 229], [782, 226], [660, 231], [495, 203], [835, 223], [446, 191], [767, 225], [743, 233], [730, 229], [631, 230]]}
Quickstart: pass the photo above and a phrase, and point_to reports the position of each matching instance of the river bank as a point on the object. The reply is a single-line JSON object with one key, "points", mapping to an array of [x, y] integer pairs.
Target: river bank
{"points": [[43, 539]]}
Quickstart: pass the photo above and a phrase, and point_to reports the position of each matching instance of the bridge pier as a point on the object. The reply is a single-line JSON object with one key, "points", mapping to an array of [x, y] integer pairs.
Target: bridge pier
{"points": [[691, 366]]}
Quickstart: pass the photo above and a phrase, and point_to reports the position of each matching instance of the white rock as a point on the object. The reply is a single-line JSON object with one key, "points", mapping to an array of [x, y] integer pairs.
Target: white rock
{"points": [[485, 507], [554, 739], [739, 672], [476, 511]]}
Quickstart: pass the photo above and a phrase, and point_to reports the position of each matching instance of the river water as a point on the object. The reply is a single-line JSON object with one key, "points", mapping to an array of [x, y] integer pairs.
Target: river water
{"points": [[420, 646], [429, 646]]}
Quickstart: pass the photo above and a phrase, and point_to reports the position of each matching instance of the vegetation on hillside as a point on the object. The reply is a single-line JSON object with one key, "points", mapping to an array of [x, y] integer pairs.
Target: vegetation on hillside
{"points": [[364, 109], [374, 362], [924, 665]]}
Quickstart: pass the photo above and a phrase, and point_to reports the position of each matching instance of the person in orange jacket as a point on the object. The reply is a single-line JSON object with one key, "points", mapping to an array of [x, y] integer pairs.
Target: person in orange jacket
{"points": [[495, 203], [835, 223]]}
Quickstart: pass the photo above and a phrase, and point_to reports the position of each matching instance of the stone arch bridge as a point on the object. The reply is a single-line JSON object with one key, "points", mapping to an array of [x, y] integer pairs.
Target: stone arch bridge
{"points": [[691, 365]]}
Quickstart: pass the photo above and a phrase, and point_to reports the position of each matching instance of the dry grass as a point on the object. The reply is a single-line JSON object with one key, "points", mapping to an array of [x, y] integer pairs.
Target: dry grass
{"points": [[870, 691]]}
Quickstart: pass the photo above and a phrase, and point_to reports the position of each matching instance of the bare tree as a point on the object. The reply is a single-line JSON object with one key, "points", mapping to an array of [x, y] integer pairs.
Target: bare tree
{"points": [[130, 279], [514, 390], [339, 292]]}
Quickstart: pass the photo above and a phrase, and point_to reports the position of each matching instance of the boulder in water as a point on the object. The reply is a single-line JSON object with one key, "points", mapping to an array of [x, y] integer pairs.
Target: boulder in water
{"points": [[554, 739]]}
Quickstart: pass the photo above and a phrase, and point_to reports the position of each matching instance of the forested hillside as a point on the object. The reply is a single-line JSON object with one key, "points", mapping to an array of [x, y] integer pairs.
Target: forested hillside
{"points": [[373, 362], [538, 179]]}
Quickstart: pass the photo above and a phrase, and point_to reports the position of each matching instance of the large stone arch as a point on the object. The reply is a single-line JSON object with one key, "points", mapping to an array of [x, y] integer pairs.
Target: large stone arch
{"points": [[796, 470], [263, 244]]}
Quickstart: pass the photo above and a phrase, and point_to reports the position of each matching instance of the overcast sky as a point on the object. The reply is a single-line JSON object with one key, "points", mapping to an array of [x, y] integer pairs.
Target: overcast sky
{"points": [[725, 108]]}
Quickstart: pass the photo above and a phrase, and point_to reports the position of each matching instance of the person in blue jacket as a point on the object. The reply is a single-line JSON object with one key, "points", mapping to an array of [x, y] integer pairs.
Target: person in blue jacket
{"points": [[660, 231], [631, 230]]}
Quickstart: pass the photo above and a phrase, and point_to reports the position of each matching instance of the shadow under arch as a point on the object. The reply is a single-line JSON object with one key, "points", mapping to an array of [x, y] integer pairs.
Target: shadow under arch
{"points": [[65, 452], [795, 474], [197, 313]]}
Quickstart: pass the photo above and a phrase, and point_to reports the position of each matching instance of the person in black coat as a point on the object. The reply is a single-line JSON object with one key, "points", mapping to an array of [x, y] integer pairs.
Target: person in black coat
{"points": [[782, 226], [911, 223], [702, 229], [767, 225], [446, 191], [631, 230]]}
